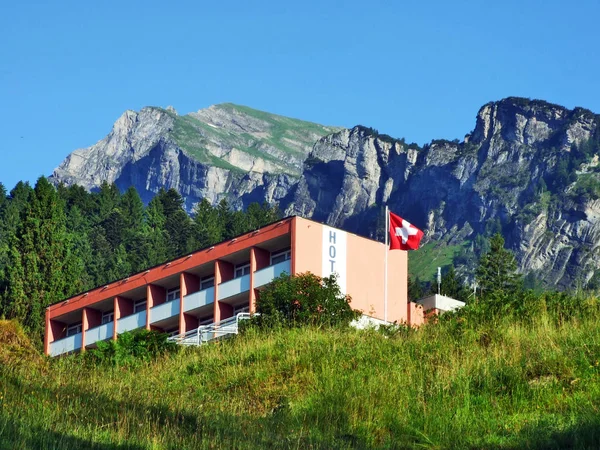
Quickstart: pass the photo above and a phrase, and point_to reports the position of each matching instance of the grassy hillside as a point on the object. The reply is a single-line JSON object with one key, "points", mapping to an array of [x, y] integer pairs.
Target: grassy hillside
{"points": [[281, 141], [285, 130], [189, 134], [424, 263], [532, 383]]}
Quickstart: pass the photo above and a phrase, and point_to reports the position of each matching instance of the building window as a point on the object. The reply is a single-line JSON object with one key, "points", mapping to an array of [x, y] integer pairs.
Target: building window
{"points": [[108, 317], [242, 269], [281, 256], [241, 309], [173, 294], [139, 306], [74, 329], [207, 282]]}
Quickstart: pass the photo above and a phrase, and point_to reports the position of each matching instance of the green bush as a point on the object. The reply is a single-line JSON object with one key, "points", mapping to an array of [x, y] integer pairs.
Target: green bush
{"points": [[305, 299], [132, 348]]}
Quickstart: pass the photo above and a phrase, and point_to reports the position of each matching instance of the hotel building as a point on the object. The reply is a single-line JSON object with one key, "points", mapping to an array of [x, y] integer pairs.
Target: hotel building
{"points": [[216, 283]]}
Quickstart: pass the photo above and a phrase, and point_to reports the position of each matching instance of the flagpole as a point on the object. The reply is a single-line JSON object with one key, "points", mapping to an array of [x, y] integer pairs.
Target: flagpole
{"points": [[385, 282]]}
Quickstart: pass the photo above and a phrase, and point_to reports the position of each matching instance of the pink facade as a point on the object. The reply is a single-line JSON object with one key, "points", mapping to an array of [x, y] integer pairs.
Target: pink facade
{"points": [[216, 283], [364, 268]]}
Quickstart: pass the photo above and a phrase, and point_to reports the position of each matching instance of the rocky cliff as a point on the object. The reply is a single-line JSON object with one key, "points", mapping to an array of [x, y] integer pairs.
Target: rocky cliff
{"points": [[225, 150], [528, 169]]}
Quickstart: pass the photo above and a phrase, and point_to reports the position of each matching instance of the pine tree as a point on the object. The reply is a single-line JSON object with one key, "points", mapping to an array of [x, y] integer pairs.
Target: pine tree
{"points": [[12, 212], [19, 200], [135, 234], [102, 253], [3, 199], [155, 242], [178, 224], [255, 215], [78, 230], [224, 218], [496, 272], [114, 228], [207, 227], [15, 297], [107, 199], [4, 248], [238, 224], [132, 209], [77, 196], [119, 264], [41, 268], [261, 215]]}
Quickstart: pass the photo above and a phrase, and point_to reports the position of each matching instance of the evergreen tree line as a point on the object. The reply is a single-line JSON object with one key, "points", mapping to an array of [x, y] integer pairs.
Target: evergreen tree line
{"points": [[56, 242], [495, 275]]}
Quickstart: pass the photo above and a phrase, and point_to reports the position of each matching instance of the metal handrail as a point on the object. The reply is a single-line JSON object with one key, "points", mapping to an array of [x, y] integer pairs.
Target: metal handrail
{"points": [[210, 332]]}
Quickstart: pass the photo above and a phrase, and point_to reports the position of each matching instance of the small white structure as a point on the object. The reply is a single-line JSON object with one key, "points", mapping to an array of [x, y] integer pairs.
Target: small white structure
{"points": [[440, 303], [364, 322]]}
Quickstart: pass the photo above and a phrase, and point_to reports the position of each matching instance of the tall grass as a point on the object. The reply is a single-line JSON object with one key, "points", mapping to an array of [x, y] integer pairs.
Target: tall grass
{"points": [[468, 381]]}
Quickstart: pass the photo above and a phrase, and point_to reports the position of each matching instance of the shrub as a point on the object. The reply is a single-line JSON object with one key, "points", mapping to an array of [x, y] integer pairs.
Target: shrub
{"points": [[305, 299], [132, 348], [15, 347]]}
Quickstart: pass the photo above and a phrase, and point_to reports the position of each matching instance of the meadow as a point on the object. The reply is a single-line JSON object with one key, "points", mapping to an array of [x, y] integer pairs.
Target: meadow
{"points": [[472, 380]]}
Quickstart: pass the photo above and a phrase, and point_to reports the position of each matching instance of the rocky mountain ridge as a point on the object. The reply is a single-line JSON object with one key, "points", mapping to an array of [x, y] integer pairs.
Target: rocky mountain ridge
{"points": [[527, 169], [224, 150]]}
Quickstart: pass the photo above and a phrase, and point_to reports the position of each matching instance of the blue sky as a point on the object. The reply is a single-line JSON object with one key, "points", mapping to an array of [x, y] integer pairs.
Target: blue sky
{"points": [[418, 70]]}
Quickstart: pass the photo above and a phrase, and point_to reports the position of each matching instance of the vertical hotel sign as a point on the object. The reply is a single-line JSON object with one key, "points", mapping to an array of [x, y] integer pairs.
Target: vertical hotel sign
{"points": [[334, 255]]}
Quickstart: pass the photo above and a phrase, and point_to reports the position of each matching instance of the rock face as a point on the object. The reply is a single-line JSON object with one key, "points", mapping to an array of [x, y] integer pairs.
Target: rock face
{"points": [[226, 151], [527, 169], [522, 168]]}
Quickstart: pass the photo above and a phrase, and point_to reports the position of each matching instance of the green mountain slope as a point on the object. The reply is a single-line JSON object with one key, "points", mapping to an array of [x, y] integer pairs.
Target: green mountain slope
{"points": [[230, 136]]}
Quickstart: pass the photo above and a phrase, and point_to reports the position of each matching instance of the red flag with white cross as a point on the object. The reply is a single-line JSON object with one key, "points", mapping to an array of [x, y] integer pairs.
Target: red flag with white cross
{"points": [[403, 235]]}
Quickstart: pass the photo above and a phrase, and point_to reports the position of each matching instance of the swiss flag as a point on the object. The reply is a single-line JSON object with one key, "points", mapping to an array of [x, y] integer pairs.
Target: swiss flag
{"points": [[403, 235]]}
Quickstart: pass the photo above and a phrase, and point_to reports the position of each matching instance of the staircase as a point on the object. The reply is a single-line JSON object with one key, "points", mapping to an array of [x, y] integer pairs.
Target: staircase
{"points": [[214, 331]]}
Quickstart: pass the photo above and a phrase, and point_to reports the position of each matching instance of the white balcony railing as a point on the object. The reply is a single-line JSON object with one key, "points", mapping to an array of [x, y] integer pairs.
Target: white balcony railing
{"points": [[234, 287], [268, 274], [101, 333], [131, 322], [164, 311], [65, 345], [199, 299]]}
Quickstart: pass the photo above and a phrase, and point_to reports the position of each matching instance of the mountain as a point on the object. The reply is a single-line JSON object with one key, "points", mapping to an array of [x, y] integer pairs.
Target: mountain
{"points": [[221, 151], [529, 169]]}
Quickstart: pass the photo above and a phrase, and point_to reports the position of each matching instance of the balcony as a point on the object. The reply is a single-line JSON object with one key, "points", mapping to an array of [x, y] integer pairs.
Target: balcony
{"points": [[268, 274], [164, 311], [198, 299], [132, 322], [101, 333], [234, 287], [65, 345]]}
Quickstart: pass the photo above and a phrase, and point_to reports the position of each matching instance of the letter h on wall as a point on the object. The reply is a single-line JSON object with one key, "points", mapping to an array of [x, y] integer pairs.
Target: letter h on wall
{"points": [[332, 250]]}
